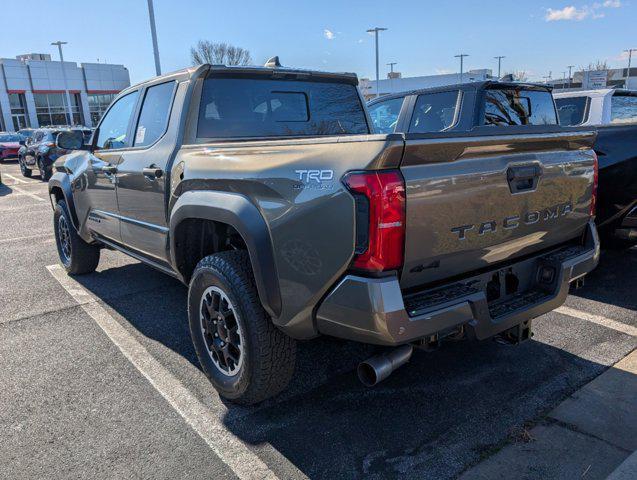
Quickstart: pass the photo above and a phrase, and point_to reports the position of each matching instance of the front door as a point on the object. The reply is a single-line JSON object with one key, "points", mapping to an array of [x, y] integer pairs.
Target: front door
{"points": [[141, 176], [111, 143]]}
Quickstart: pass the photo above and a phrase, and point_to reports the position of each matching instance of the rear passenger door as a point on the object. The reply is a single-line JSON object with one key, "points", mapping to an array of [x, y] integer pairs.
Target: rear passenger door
{"points": [[141, 175]]}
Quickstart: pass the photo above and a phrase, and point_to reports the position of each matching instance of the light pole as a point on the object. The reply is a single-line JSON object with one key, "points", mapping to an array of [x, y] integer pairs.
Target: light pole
{"points": [[630, 56], [499, 59], [570, 77], [563, 80], [66, 88], [153, 33], [375, 31], [461, 57], [391, 77], [548, 77]]}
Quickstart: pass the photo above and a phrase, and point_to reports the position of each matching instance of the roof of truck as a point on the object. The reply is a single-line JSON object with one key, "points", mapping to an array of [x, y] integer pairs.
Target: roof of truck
{"points": [[283, 72], [464, 87], [599, 92]]}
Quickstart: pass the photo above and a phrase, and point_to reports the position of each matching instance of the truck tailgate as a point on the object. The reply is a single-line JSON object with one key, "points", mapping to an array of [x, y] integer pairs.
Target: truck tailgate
{"points": [[474, 201]]}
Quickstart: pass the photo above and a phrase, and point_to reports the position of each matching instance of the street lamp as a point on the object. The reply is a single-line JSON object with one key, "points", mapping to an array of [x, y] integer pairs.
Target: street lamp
{"points": [[570, 77], [375, 31], [461, 57], [66, 88], [153, 33], [391, 77], [630, 56], [499, 59]]}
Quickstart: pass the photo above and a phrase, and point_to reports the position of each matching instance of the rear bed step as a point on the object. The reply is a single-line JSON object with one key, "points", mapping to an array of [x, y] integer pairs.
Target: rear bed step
{"points": [[517, 302], [419, 303]]}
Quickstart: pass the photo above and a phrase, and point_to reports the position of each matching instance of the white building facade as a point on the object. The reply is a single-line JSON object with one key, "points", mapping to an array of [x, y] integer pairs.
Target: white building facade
{"points": [[32, 91]]}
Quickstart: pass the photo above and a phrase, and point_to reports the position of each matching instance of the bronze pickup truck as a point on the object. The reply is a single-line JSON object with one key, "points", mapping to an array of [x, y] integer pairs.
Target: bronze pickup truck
{"points": [[268, 193]]}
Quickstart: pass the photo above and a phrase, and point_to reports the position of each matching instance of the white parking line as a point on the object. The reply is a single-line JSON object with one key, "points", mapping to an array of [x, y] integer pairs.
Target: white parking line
{"points": [[28, 194], [228, 447], [15, 179], [599, 320], [46, 236]]}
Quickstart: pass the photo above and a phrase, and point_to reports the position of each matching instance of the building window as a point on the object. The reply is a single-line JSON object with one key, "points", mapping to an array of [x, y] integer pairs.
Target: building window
{"points": [[51, 109], [97, 105], [18, 111]]}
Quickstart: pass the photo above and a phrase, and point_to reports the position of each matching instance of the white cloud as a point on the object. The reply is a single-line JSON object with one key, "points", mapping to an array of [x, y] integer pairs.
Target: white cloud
{"points": [[567, 13], [328, 34], [443, 71], [360, 40], [573, 13]]}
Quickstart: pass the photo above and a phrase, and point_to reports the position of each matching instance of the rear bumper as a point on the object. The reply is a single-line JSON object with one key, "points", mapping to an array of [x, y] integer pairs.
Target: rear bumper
{"points": [[374, 310]]}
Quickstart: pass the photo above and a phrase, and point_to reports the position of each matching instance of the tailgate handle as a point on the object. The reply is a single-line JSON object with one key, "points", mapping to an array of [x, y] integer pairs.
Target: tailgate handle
{"points": [[523, 178]]}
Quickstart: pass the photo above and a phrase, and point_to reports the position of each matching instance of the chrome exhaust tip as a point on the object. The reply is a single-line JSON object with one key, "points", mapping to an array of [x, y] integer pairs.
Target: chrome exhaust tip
{"points": [[376, 369]]}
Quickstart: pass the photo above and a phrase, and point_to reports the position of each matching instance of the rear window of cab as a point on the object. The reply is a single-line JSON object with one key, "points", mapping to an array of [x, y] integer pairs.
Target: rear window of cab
{"points": [[251, 107], [508, 106]]}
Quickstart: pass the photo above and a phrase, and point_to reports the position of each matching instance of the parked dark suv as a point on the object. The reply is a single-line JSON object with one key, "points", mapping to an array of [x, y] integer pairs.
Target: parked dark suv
{"points": [[40, 151]]}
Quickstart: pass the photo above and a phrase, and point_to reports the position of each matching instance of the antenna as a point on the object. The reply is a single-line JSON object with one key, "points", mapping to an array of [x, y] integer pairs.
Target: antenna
{"points": [[273, 62]]}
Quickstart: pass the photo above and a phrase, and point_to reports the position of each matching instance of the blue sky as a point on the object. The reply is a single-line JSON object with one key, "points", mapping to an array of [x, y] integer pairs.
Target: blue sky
{"points": [[423, 36]]}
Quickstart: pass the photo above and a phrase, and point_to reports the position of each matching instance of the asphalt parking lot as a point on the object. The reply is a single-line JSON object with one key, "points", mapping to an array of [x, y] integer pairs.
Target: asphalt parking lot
{"points": [[112, 388]]}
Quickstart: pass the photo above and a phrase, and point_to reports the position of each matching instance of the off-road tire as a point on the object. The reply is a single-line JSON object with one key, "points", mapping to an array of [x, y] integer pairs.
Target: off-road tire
{"points": [[269, 354], [83, 257], [26, 172]]}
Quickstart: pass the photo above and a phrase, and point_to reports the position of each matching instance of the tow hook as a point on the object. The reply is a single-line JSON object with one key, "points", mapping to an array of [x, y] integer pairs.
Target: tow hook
{"points": [[515, 335], [378, 368], [579, 283]]}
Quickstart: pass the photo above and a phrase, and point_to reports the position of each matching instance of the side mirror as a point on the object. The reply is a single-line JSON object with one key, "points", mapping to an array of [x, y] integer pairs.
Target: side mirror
{"points": [[72, 140]]}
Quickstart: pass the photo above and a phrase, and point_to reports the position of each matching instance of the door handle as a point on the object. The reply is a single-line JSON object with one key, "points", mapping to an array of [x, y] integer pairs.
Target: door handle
{"points": [[109, 169], [523, 178], [152, 172]]}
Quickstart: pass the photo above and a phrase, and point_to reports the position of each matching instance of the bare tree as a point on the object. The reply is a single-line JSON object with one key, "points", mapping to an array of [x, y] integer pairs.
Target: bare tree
{"points": [[219, 54], [597, 65], [520, 76], [517, 76]]}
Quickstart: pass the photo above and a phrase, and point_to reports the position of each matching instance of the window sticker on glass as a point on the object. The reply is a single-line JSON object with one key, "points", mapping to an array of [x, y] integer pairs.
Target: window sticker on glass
{"points": [[141, 133]]}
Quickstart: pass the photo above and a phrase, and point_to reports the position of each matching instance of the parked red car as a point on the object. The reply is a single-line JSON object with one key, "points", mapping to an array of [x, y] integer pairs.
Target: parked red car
{"points": [[9, 146]]}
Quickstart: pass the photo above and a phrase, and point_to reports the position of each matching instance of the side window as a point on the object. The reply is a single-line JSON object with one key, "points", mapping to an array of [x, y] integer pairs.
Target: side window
{"points": [[154, 115], [623, 109], [114, 127], [572, 111], [385, 115], [434, 112]]}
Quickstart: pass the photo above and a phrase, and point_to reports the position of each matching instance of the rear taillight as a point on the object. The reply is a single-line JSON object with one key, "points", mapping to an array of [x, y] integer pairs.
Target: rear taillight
{"points": [[380, 219], [595, 182]]}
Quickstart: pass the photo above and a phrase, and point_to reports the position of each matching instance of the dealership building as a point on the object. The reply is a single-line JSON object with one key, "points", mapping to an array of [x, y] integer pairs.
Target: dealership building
{"points": [[32, 91]]}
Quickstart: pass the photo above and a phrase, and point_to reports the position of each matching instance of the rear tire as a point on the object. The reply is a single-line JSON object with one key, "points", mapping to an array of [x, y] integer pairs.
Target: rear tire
{"points": [[245, 357], [76, 256], [23, 168]]}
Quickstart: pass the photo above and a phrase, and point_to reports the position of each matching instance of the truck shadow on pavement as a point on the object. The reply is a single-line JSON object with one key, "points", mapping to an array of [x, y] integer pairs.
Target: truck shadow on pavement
{"points": [[431, 419], [5, 189]]}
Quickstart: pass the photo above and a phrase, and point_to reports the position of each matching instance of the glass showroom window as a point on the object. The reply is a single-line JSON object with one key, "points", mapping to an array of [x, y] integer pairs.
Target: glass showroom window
{"points": [[51, 108], [18, 111], [97, 105]]}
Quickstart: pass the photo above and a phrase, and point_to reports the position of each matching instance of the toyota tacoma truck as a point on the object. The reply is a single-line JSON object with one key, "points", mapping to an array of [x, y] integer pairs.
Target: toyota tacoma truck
{"points": [[265, 190], [614, 113]]}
